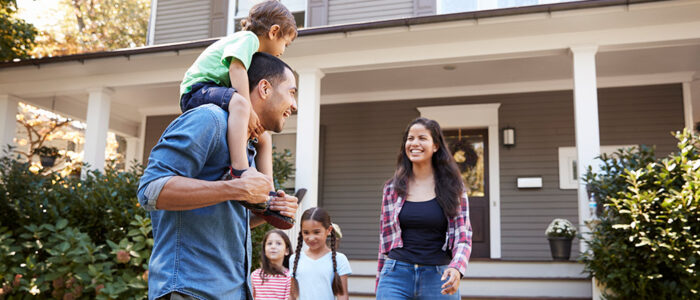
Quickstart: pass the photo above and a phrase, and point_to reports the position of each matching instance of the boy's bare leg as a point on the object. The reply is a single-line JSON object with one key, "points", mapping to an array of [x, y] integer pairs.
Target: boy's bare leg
{"points": [[239, 110]]}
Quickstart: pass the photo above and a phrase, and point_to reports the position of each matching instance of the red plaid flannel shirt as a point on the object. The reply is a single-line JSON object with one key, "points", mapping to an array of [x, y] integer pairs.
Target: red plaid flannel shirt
{"points": [[459, 230]]}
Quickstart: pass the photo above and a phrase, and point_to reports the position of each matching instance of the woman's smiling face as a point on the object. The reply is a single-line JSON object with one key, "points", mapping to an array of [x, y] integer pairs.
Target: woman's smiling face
{"points": [[419, 144]]}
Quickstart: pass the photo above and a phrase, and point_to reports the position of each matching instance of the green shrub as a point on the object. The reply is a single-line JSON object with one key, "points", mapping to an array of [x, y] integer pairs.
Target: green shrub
{"points": [[647, 242], [71, 238]]}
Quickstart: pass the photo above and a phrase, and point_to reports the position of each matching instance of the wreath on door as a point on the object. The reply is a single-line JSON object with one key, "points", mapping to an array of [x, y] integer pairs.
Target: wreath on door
{"points": [[464, 154]]}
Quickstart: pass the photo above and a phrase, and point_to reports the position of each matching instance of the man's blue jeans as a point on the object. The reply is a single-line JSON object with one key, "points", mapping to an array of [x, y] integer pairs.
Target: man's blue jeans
{"points": [[402, 280]]}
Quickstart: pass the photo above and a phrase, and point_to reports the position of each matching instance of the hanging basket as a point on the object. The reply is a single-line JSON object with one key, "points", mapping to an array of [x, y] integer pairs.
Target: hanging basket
{"points": [[47, 161]]}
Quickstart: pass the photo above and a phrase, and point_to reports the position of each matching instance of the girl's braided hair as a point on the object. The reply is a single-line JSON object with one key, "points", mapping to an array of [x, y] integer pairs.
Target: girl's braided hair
{"points": [[267, 13], [320, 215]]}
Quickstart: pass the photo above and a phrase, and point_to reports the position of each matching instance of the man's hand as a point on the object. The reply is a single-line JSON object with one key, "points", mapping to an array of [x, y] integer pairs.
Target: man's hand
{"points": [[452, 276], [285, 204], [256, 184], [255, 128]]}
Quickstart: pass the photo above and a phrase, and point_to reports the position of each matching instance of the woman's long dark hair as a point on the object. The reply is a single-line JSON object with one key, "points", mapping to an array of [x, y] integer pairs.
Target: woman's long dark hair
{"points": [[267, 268], [320, 215], [448, 181]]}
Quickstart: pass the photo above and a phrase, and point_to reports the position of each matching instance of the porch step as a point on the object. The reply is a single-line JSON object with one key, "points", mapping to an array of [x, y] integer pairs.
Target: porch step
{"points": [[498, 279], [371, 296]]}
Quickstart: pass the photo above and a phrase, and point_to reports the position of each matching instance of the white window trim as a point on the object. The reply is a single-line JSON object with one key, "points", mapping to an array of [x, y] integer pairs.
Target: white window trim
{"points": [[567, 159], [152, 24], [478, 116], [231, 16]]}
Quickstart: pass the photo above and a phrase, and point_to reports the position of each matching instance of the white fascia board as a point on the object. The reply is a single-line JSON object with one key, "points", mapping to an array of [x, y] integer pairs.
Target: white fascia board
{"points": [[503, 88]]}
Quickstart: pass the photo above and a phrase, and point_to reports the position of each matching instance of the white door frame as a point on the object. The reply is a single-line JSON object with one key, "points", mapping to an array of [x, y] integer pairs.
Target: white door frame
{"points": [[478, 116]]}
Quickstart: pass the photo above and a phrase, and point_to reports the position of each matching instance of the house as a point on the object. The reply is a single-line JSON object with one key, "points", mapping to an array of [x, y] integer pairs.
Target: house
{"points": [[571, 80]]}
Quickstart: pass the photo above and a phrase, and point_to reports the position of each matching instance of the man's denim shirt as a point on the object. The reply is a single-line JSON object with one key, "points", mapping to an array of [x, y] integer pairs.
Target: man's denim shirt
{"points": [[205, 252]]}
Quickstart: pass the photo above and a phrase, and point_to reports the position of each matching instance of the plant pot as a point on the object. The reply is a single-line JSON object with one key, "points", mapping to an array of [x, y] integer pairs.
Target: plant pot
{"points": [[560, 248], [47, 161]]}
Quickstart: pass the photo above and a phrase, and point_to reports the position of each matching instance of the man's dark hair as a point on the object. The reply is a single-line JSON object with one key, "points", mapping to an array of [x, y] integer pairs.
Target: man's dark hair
{"points": [[265, 66]]}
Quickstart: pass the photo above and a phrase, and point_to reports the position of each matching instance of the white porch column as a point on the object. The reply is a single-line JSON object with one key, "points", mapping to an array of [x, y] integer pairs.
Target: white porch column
{"points": [[132, 147], [97, 125], [688, 106], [586, 124], [8, 120], [308, 127]]}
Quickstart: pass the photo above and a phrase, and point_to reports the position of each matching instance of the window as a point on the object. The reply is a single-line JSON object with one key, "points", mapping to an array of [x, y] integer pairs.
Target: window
{"points": [[239, 9], [568, 168], [455, 6]]}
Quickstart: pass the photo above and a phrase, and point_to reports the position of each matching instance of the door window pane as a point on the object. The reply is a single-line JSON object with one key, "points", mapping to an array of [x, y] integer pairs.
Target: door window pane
{"points": [[468, 150]]}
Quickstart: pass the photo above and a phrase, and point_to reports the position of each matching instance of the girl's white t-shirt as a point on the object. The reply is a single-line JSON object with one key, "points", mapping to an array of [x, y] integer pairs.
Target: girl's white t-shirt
{"points": [[311, 273]]}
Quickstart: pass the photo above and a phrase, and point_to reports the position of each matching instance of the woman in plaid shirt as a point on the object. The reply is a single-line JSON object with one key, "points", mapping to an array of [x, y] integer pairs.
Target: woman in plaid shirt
{"points": [[426, 237]]}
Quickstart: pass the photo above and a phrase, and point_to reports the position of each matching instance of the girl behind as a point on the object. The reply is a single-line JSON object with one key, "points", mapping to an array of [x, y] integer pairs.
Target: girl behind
{"points": [[272, 281], [319, 273]]}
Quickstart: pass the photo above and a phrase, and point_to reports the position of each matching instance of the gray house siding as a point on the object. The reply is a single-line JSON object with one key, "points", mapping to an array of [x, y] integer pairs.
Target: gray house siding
{"points": [[183, 20], [361, 143], [333, 12]]}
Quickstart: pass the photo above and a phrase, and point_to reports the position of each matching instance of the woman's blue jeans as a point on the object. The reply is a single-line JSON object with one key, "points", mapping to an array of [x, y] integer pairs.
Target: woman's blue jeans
{"points": [[402, 280]]}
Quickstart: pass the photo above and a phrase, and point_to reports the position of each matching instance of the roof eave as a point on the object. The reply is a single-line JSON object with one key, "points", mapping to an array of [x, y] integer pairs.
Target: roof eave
{"points": [[474, 15]]}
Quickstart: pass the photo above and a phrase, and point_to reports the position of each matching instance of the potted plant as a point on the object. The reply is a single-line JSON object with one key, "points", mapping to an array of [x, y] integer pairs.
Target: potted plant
{"points": [[560, 233], [47, 155]]}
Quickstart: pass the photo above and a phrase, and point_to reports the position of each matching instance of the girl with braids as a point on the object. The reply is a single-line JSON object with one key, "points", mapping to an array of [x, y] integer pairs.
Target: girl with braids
{"points": [[272, 281], [319, 272], [425, 239]]}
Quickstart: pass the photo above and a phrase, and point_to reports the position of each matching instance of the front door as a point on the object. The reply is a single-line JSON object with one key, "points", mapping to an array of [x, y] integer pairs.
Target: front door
{"points": [[470, 149]]}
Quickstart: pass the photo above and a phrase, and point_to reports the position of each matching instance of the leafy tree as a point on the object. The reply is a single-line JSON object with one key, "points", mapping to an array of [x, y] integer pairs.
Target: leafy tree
{"points": [[16, 35], [91, 26]]}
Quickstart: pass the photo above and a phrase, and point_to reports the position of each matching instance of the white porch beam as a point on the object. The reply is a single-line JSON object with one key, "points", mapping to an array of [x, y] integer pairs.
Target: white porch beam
{"points": [[308, 130], [8, 120], [508, 88], [586, 124], [97, 126], [688, 106]]}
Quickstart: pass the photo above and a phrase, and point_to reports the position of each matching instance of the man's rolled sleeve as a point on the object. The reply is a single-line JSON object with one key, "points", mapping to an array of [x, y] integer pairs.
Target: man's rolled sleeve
{"points": [[182, 151], [148, 194]]}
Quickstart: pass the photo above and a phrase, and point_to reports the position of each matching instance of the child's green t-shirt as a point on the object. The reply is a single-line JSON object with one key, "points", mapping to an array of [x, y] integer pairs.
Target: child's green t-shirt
{"points": [[213, 64]]}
